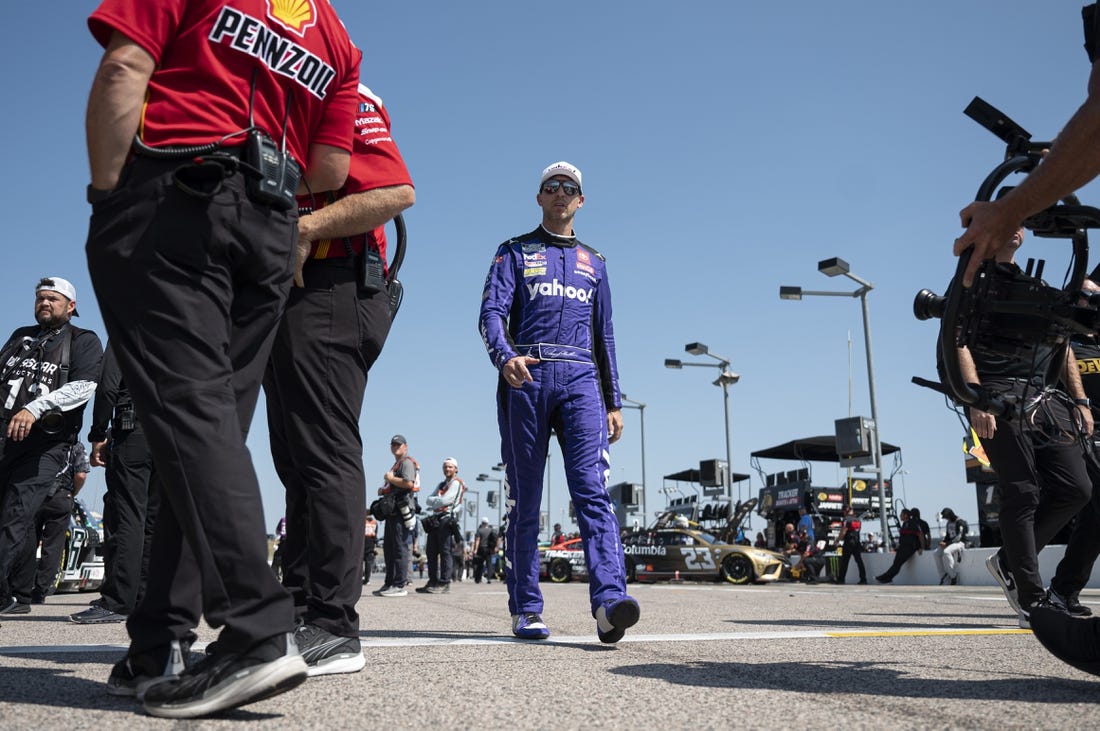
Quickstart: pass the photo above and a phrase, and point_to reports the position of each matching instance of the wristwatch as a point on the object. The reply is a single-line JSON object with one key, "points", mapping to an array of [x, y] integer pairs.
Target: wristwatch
{"points": [[1082, 402], [95, 195]]}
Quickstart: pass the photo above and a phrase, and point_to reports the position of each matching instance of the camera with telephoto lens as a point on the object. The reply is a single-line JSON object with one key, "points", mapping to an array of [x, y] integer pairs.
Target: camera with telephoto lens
{"points": [[405, 512], [52, 421]]}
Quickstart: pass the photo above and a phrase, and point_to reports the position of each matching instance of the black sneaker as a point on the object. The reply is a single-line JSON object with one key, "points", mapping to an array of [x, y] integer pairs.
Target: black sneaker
{"points": [[1068, 604], [613, 618], [426, 589], [328, 654], [134, 674], [224, 680], [97, 614], [1004, 579], [439, 589], [15, 607], [38, 597]]}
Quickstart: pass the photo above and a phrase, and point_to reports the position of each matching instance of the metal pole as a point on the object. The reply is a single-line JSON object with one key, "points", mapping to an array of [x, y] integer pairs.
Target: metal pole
{"points": [[729, 461], [874, 418], [641, 410]]}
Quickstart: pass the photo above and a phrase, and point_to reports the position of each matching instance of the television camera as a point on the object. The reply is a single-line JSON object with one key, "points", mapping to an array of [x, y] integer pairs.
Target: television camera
{"points": [[1002, 313]]}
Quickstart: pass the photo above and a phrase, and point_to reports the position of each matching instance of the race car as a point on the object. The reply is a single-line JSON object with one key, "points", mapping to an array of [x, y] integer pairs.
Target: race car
{"points": [[563, 562], [661, 552], [82, 565]]}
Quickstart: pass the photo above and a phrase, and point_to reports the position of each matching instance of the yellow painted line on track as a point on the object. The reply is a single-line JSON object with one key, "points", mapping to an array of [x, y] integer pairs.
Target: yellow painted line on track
{"points": [[928, 632]]}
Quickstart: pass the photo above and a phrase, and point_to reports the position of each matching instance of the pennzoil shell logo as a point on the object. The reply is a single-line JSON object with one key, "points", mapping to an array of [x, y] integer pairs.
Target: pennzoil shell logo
{"points": [[297, 16], [822, 497], [859, 485]]}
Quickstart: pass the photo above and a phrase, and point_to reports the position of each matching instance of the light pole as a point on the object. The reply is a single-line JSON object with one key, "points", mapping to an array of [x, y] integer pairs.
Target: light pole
{"points": [[629, 403], [468, 507], [483, 477], [726, 378], [831, 268]]}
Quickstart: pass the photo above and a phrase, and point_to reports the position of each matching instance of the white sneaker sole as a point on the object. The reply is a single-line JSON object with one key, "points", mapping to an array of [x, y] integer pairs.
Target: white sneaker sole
{"points": [[348, 663]]}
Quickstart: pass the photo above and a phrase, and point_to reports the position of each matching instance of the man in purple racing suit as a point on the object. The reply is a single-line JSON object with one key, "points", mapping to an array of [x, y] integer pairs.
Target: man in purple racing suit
{"points": [[546, 322]]}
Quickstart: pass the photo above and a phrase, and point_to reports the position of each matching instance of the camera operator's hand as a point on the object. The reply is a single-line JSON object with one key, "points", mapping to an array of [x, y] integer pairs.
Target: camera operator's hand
{"points": [[983, 422], [1086, 418], [20, 425], [988, 227], [99, 455]]}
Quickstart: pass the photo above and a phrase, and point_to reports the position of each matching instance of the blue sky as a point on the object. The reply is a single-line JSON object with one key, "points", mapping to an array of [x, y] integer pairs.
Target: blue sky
{"points": [[726, 148]]}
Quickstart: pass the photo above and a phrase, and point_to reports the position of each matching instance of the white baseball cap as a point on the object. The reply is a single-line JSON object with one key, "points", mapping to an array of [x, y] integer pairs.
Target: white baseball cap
{"points": [[562, 168], [451, 461], [484, 520], [56, 284]]}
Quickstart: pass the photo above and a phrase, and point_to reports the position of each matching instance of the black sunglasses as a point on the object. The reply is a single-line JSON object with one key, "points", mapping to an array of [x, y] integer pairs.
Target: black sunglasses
{"points": [[550, 187]]}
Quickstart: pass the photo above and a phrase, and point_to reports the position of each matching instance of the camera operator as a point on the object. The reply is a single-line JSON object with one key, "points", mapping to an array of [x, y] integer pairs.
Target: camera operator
{"points": [[1073, 161], [401, 481], [1036, 449], [440, 527], [50, 371]]}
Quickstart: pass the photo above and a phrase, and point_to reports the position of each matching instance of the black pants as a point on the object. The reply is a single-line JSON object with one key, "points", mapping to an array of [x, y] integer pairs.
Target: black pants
{"points": [[483, 566], [1025, 466], [906, 548], [1083, 548], [36, 575], [369, 546], [395, 552], [439, 549], [27, 471], [327, 341], [191, 291], [129, 514], [852, 549]]}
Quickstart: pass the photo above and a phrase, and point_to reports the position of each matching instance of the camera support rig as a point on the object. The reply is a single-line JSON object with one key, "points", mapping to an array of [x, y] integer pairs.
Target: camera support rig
{"points": [[1031, 313]]}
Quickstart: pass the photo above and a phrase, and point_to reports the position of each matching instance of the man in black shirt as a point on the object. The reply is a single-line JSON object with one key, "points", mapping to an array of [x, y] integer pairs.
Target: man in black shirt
{"points": [[910, 542], [131, 501], [1035, 447], [50, 371], [850, 546]]}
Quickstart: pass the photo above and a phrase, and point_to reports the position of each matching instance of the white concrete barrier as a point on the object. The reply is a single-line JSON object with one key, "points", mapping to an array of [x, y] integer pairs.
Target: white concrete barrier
{"points": [[922, 569]]}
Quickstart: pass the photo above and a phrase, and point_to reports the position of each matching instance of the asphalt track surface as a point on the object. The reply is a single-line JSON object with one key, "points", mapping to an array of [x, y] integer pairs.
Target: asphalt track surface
{"points": [[704, 655]]}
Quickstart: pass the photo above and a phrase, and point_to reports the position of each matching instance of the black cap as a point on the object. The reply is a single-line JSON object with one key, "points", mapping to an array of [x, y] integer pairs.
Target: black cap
{"points": [[397, 439]]}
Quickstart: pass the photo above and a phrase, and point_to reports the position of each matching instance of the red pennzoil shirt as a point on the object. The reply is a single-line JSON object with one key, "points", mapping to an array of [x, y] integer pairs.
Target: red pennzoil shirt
{"points": [[207, 52], [375, 163]]}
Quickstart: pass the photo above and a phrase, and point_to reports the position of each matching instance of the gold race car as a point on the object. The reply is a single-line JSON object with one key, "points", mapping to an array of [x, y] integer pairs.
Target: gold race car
{"points": [[661, 552]]}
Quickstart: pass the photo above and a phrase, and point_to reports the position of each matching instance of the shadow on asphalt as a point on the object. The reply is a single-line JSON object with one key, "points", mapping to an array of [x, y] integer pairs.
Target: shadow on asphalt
{"points": [[57, 688], [862, 677]]}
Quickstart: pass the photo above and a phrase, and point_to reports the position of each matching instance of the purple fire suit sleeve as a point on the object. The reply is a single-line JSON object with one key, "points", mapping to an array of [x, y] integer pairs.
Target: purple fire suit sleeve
{"points": [[603, 350], [496, 302]]}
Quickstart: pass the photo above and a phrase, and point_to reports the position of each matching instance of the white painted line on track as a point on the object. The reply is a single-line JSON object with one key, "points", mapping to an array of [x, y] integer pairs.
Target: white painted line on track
{"points": [[840, 633]]}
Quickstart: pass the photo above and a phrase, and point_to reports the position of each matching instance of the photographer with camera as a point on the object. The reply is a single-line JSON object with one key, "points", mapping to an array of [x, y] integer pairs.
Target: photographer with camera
{"points": [[441, 528], [401, 482], [1036, 448], [49, 370], [131, 501]]}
